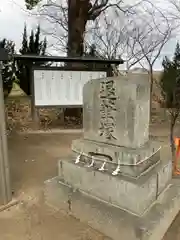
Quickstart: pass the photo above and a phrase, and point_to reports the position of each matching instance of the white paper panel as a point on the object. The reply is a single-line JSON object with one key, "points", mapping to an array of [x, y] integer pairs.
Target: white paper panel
{"points": [[61, 88]]}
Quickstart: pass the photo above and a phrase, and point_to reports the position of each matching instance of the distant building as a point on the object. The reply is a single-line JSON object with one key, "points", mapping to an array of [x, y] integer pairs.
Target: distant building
{"points": [[138, 70]]}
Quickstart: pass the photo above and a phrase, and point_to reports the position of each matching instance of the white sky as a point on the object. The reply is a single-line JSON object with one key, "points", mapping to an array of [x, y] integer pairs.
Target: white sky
{"points": [[13, 16], [12, 19]]}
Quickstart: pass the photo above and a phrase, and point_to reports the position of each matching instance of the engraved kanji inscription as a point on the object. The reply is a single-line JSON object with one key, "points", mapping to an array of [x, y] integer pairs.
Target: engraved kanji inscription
{"points": [[107, 107]]}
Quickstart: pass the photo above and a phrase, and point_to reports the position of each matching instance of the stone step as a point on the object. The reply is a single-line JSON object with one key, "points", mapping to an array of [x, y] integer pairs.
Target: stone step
{"points": [[133, 162], [110, 220], [117, 190]]}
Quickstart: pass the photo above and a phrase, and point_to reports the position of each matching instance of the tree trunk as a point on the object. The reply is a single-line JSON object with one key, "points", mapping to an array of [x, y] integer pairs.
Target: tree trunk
{"points": [[77, 20], [25, 85], [151, 89], [172, 124], [7, 89], [24, 76]]}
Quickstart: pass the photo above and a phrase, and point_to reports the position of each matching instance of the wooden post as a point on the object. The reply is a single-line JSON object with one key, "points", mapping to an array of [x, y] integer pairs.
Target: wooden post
{"points": [[34, 109], [5, 187]]}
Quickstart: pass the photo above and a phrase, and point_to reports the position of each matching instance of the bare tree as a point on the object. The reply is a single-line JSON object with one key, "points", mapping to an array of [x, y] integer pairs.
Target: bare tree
{"points": [[68, 19], [107, 35], [113, 39], [173, 11], [138, 37], [148, 36], [149, 33]]}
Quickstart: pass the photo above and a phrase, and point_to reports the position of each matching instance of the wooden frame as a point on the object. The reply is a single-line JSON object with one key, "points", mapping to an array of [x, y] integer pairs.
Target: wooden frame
{"points": [[34, 68], [32, 59]]}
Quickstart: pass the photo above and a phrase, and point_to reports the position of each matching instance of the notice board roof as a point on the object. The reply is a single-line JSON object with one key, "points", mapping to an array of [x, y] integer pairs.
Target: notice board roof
{"points": [[36, 58]]}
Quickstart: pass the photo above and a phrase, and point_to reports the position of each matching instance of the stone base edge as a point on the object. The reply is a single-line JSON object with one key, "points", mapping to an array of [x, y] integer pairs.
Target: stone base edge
{"points": [[112, 221]]}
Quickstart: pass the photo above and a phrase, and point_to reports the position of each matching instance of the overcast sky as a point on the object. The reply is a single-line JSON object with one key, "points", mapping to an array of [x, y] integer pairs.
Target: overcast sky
{"points": [[12, 19], [13, 16]]}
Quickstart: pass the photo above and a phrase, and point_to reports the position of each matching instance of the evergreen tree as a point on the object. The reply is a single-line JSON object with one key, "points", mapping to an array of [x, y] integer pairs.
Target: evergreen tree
{"points": [[92, 51], [34, 46], [169, 82], [177, 54], [31, 49], [8, 66], [170, 89], [24, 47]]}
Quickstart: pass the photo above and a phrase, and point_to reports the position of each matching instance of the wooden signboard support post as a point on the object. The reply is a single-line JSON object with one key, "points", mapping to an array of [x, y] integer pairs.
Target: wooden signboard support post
{"points": [[5, 188]]}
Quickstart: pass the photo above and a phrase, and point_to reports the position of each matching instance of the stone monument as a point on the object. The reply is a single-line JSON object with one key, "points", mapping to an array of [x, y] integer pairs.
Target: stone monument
{"points": [[115, 179]]}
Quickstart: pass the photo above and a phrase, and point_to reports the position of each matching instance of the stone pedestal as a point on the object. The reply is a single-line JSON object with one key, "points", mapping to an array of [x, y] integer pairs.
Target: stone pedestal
{"points": [[132, 162], [133, 195], [158, 202], [115, 179]]}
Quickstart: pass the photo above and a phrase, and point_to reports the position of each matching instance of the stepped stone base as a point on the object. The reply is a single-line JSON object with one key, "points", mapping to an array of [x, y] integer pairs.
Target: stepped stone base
{"points": [[133, 162], [111, 220], [119, 207], [133, 195]]}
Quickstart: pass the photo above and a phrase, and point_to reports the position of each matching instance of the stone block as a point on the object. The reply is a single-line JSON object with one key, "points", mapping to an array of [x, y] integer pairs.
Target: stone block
{"points": [[133, 162], [164, 176], [116, 110], [111, 220], [135, 196]]}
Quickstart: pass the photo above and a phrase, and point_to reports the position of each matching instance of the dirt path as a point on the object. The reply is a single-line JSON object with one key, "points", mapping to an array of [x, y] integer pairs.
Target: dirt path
{"points": [[33, 159]]}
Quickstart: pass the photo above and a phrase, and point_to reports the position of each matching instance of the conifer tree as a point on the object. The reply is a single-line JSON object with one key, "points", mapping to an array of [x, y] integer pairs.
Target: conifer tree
{"points": [[170, 89], [33, 46], [8, 66]]}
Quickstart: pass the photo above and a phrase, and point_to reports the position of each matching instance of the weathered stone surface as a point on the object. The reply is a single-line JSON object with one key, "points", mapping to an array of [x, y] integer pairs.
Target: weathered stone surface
{"points": [[116, 110], [132, 161], [134, 196], [132, 171], [116, 125], [110, 220], [127, 156], [164, 177]]}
